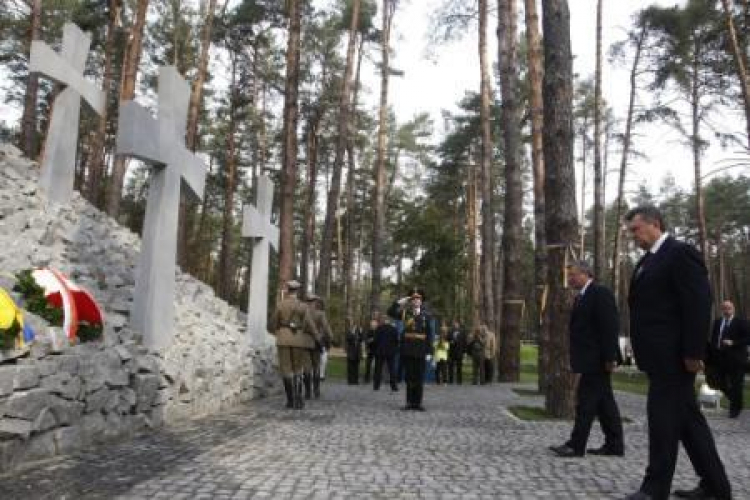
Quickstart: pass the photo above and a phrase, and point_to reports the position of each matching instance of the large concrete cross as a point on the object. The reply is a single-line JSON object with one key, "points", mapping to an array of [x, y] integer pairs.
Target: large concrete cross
{"points": [[58, 164], [256, 223], [162, 144]]}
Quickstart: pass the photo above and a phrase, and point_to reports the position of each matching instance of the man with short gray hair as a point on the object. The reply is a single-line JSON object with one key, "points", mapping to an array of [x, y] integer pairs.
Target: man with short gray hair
{"points": [[594, 351]]}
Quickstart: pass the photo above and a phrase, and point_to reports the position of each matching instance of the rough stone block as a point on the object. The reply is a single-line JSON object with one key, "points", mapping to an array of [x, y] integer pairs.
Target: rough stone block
{"points": [[62, 384], [96, 400], [69, 439], [45, 421], [9, 451], [14, 427], [26, 404], [66, 412]]}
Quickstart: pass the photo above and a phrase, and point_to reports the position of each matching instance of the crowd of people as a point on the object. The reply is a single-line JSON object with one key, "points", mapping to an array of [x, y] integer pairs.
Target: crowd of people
{"points": [[669, 303]]}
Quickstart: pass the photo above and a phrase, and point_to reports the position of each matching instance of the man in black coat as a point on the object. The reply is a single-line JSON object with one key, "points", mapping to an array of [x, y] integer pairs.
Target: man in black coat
{"points": [[727, 355], [416, 344], [456, 351], [594, 346], [353, 348], [670, 316], [369, 342], [385, 348]]}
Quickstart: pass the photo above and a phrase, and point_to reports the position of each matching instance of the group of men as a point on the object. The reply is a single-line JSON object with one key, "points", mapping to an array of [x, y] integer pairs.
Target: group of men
{"points": [[670, 318], [302, 338]]}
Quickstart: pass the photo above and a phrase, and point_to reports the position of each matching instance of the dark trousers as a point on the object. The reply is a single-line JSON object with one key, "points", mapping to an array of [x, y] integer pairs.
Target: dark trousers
{"points": [[477, 371], [673, 417], [731, 382], [352, 371], [441, 372], [368, 367], [390, 362], [414, 369], [489, 370], [455, 370], [594, 399]]}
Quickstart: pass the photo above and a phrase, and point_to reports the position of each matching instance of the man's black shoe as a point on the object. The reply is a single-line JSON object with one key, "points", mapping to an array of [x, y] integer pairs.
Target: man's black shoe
{"points": [[697, 493], [606, 451], [419, 408], [638, 495], [565, 451]]}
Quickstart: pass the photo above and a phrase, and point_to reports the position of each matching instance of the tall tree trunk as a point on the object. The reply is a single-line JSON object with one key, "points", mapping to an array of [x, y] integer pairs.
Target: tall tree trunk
{"points": [[225, 255], [128, 79], [513, 298], [289, 149], [348, 271], [739, 62], [599, 221], [485, 158], [97, 165], [312, 179], [616, 257], [344, 130], [378, 230], [697, 144], [560, 196], [472, 225], [537, 160], [196, 91], [28, 119]]}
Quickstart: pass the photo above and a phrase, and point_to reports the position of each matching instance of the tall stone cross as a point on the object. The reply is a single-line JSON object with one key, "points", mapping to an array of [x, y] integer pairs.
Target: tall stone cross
{"points": [[256, 223], [58, 164], [160, 143]]}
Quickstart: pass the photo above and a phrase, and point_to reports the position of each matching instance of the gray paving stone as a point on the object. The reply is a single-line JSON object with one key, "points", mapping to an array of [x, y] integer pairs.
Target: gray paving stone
{"points": [[355, 443]]}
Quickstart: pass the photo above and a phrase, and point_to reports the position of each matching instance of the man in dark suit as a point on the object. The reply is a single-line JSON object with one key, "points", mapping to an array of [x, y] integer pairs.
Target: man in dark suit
{"points": [[670, 316], [456, 350], [727, 355], [353, 348], [594, 325], [385, 348]]}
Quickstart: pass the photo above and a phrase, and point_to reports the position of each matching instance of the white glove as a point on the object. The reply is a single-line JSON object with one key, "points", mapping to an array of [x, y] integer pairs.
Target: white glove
{"points": [[429, 358]]}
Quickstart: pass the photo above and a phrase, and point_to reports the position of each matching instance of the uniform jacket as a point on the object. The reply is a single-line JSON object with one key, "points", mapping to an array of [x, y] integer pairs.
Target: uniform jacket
{"points": [[324, 329], [670, 308], [293, 324], [594, 330], [417, 339], [734, 355], [386, 340]]}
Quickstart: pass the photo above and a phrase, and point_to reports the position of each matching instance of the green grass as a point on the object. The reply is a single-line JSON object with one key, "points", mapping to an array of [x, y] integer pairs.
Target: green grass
{"points": [[532, 413], [526, 392]]}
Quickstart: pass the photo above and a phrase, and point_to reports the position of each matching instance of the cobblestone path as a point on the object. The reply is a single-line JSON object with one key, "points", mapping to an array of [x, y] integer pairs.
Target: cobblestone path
{"points": [[355, 443]]}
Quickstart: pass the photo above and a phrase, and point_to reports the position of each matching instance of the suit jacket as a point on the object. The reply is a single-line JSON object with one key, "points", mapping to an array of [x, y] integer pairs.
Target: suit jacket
{"points": [[457, 341], [735, 355], [670, 308], [594, 330], [386, 341]]}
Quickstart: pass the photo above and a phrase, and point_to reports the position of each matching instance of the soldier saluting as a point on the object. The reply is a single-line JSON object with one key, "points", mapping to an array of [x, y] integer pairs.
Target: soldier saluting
{"points": [[416, 344], [295, 333]]}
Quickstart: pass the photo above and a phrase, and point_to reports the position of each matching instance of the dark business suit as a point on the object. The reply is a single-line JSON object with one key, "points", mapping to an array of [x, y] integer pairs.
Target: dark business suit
{"points": [[594, 326], [728, 361], [670, 315], [385, 348]]}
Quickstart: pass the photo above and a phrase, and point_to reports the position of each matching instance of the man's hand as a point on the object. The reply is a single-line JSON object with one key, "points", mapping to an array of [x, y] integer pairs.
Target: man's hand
{"points": [[693, 365], [609, 366], [727, 342]]}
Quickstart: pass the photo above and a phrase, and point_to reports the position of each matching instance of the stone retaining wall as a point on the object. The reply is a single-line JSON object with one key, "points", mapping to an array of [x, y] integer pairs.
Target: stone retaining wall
{"points": [[54, 397]]}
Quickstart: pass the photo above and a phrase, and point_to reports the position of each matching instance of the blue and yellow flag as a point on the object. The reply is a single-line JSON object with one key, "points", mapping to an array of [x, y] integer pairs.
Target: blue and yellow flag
{"points": [[9, 314]]}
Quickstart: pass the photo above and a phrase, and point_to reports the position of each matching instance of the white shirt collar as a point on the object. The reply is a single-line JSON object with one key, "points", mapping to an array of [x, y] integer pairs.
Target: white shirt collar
{"points": [[585, 287], [657, 244]]}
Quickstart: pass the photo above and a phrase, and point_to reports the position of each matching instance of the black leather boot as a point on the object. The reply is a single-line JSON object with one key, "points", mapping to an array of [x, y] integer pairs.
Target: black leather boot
{"points": [[288, 389], [316, 386], [307, 379], [299, 401]]}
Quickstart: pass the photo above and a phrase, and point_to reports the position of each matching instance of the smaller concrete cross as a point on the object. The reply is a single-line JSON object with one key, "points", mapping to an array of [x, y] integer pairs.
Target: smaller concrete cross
{"points": [[256, 223], [58, 164], [162, 144]]}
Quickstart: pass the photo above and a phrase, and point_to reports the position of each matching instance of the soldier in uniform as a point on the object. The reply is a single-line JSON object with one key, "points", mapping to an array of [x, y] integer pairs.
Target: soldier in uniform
{"points": [[295, 333], [416, 344], [317, 309]]}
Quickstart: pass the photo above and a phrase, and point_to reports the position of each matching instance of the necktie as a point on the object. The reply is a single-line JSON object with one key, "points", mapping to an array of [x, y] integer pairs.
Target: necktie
{"points": [[724, 325]]}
